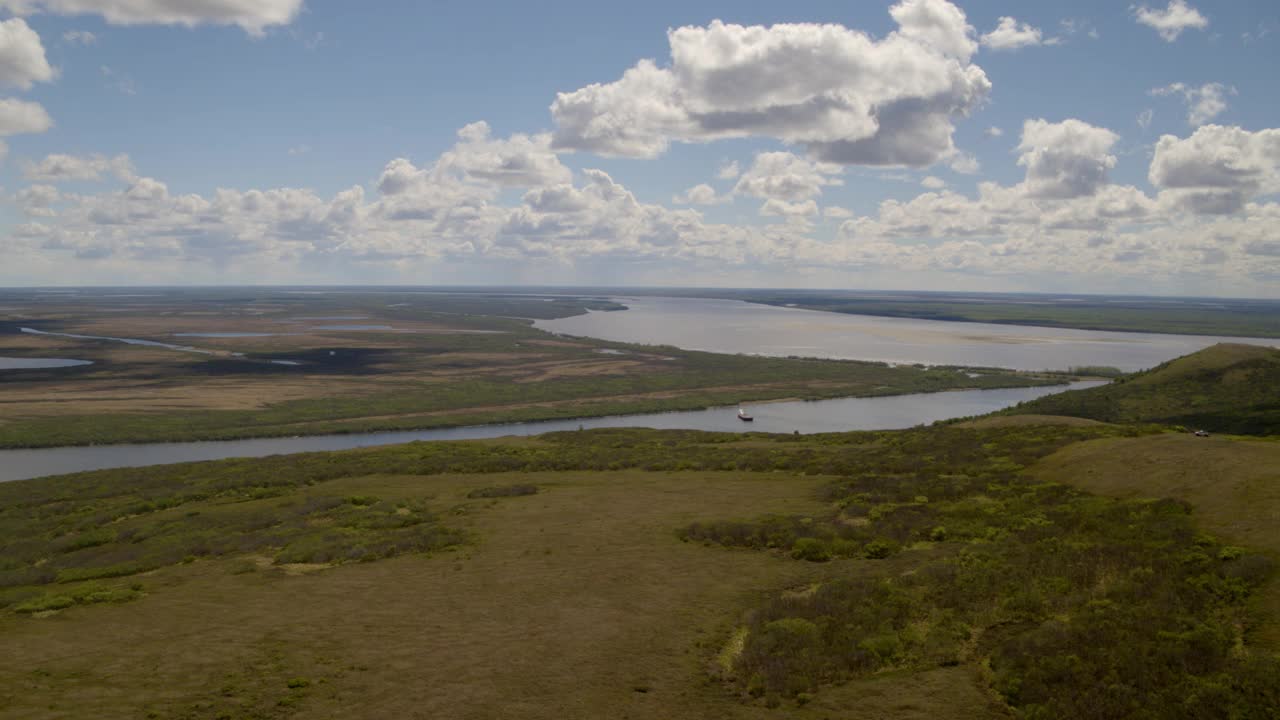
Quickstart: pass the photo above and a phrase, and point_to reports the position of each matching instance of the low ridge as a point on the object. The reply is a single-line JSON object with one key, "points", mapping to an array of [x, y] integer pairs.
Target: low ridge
{"points": [[1224, 388]]}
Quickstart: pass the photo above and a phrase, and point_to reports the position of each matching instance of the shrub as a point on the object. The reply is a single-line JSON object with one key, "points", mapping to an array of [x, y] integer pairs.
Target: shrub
{"points": [[841, 547], [67, 575], [503, 491], [811, 549], [93, 538], [878, 549], [45, 603]]}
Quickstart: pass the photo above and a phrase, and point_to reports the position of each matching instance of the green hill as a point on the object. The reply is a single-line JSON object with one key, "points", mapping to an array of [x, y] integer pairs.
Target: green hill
{"points": [[1225, 388]]}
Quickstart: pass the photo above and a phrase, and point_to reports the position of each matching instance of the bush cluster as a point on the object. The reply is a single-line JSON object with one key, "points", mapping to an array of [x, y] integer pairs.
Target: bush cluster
{"points": [[1082, 606], [504, 491]]}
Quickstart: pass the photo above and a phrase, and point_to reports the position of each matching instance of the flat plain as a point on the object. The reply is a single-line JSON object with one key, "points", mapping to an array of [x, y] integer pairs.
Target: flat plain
{"points": [[276, 362]]}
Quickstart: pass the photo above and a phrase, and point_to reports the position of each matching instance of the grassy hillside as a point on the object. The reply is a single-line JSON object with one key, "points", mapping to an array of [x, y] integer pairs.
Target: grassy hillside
{"points": [[1226, 388], [648, 574], [1232, 484]]}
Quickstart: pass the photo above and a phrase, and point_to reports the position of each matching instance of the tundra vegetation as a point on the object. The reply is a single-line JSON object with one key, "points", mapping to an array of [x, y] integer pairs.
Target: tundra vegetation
{"points": [[1037, 566]]}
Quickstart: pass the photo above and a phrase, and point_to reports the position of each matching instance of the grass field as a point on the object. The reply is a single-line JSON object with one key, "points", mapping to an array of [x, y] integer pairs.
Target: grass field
{"points": [[429, 360], [572, 602]]}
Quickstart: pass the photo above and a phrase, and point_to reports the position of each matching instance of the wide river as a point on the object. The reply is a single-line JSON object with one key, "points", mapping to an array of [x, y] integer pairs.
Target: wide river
{"points": [[733, 326], [881, 413]]}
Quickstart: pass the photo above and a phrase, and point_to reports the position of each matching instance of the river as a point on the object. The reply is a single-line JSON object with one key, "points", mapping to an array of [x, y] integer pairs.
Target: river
{"points": [[733, 326], [879, 413]]}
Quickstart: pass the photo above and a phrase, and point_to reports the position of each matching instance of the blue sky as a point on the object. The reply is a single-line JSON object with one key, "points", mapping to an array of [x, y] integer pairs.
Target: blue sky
{"points": [[318, 142]]}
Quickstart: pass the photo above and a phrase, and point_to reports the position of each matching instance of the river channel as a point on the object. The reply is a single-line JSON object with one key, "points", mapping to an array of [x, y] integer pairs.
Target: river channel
{"points": [[878, 413]]}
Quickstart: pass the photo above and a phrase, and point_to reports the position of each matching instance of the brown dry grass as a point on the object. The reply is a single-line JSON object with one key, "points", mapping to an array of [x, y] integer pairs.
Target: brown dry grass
{"points": [[140, 379], [584, 369], [578, 602], [53, 399]]}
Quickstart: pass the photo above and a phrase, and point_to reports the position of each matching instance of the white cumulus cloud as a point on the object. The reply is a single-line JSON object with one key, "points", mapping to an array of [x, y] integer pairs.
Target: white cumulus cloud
{"points": [[1171, 21], [22, 59], [729, 171], [518, 161], [965, 164], [21, 116], [64, 168], [254, 16], [846, 97], [38, 200], [1010, 34], [773, 207], [700, 194], [1064, 222], [79, 37], [785, 176], [1204, 103], [1216, 170], [1066, 159]]}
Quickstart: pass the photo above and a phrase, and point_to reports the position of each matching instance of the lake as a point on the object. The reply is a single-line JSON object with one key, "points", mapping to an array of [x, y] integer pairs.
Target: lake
{"points": [[228, 334], [11, 363], [733, 326], [879, 413]]}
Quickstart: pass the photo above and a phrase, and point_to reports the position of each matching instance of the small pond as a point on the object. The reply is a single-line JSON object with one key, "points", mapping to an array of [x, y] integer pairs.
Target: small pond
{"points": [[11, 363]]}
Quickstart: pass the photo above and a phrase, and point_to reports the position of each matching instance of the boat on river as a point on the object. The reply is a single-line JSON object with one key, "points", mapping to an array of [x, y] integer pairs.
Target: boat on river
{"points": [[744, 416]]}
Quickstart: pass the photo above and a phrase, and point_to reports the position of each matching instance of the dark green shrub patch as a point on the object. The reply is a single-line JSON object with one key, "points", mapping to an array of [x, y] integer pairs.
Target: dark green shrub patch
{"points": [[301, 529], [504, 491], [811, 549], [1083, 606], [87, 594]]}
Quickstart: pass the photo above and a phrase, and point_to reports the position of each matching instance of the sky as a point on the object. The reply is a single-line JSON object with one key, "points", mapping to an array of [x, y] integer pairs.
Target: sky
{"points": [[990, 145]]}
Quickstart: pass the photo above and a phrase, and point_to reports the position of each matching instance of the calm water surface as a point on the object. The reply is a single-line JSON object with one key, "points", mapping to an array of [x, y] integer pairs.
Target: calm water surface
{"points": [[227, 334], [733, 326], [9, 363], [127, 341], [882, 413]]}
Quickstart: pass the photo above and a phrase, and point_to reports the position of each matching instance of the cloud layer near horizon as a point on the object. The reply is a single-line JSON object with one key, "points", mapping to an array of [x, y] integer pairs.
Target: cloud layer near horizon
{"points": [[833, 99]]}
